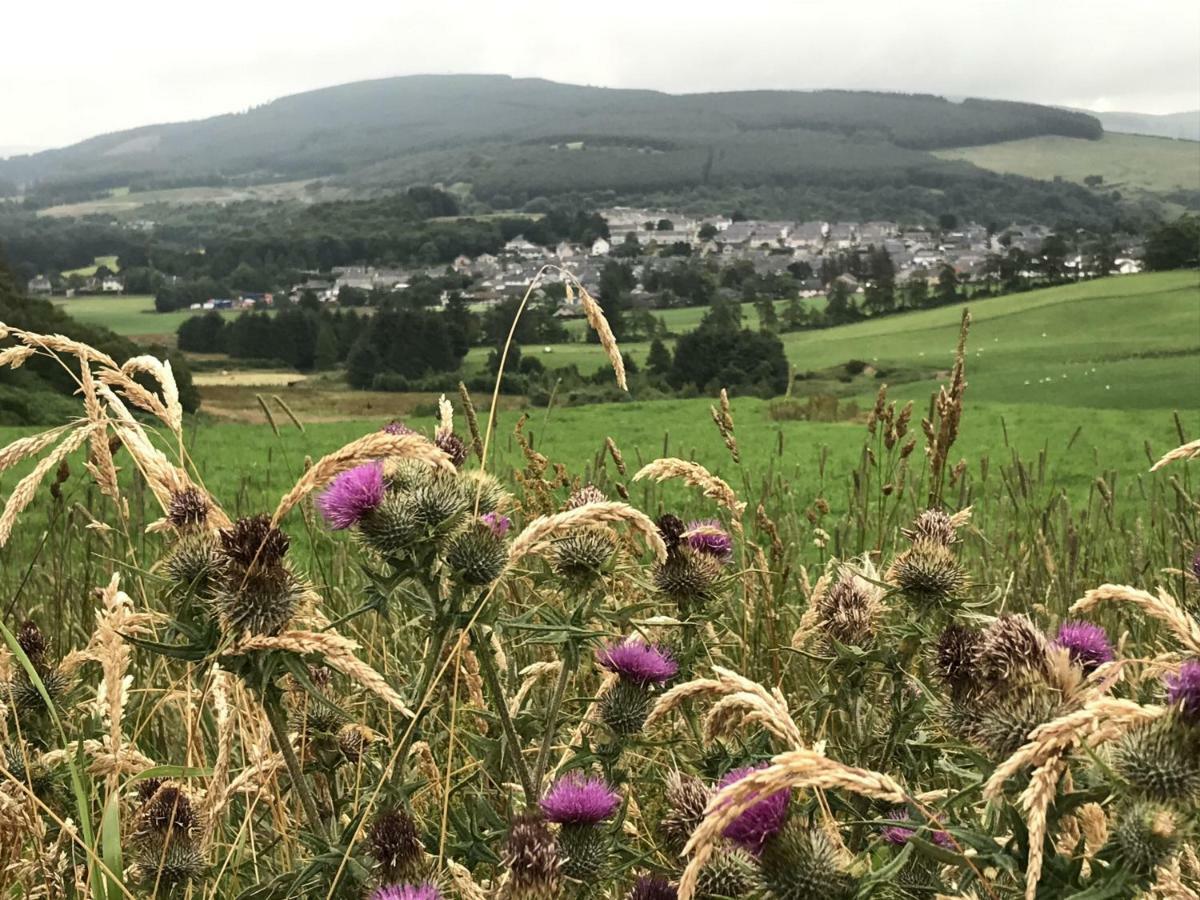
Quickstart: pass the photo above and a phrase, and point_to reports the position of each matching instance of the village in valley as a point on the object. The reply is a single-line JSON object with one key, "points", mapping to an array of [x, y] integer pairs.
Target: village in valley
{"points": [[812, 254]]}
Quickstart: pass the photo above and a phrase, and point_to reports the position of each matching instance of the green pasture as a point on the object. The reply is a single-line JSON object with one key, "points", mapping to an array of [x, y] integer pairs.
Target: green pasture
{"points": [[87, 271]]}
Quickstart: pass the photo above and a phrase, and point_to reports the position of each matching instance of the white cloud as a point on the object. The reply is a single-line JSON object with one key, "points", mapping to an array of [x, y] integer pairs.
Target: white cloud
{"points": [[71, 73]]}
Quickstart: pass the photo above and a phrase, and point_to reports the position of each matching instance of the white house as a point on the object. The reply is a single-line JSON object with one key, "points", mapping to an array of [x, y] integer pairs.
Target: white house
{"points": [[600, 247]]}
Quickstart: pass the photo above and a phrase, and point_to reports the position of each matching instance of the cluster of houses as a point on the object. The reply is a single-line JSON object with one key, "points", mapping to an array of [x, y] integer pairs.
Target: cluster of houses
{"points": [[640, 234], [41, 286], [771, 247]]}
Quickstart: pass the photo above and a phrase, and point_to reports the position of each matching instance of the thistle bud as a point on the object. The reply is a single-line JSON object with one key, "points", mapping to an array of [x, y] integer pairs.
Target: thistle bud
{"points": [[167, 838], [193, 564], [1011, 649], [1001, 728], [928, 574], [532, 859], [452, 445], [800, 863], [395, 845], [729, 872], [188, 509], [589, 493], [652, 887], [257, 594], [1161, 761], [956, 658], [1145, 835], [932, 525], [439, 505], [391, 527], [477, 555], [688, 578], [686, 800], [582, 556]]}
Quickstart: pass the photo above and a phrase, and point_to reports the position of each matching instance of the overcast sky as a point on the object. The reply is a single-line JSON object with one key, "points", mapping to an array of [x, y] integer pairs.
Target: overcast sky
{"points": [[69, 69]]}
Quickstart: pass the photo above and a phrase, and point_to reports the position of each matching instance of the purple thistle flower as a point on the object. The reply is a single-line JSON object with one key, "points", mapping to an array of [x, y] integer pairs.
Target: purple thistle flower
{"points": [[496, 523], [576, 799], [712, 539], [1184, 690], [1087, 644], [636, 661], [407, 892], [396, 427], [760, 821], [899, 834], [352, 495]]}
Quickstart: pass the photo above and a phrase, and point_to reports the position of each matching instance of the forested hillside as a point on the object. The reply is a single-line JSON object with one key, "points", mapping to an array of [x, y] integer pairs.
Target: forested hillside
{"points": [[519, 138]]}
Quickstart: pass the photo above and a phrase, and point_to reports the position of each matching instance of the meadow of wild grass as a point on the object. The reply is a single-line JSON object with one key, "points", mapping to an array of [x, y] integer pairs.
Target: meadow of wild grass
{"points": [[667, 649]]}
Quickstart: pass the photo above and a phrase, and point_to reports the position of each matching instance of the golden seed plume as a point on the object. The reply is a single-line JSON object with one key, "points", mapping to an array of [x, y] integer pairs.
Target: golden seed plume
{"points": [[596, 319], [25, 490], [1190, 450], [538, 533], [694, 475]]}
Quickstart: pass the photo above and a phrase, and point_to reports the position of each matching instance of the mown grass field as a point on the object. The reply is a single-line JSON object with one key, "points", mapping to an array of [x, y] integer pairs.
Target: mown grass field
{"points": [[1124, 161], [132, 315], [87, 271]]}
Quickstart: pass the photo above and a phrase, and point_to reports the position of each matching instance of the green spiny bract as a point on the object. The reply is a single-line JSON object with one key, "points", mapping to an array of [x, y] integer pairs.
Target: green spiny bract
{"points": [[257, 602], [625, 707], [583, 555], [688, 578], [1145, 835], [484, 492], [392, 526], [729, 872], [585, 850], [476, 556], [439, 505], [928, 574], [167, 838], [395, 845], [24, 765], [1161, 761], [407, 475], [801, 863], [686, 800], [194, 563], [20, 692], [1003, 726]]}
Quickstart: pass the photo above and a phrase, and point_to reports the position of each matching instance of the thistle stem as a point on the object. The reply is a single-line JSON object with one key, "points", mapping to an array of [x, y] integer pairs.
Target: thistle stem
{"points": [[279, 729], [560, 690], [433, 655], [487, 667]]}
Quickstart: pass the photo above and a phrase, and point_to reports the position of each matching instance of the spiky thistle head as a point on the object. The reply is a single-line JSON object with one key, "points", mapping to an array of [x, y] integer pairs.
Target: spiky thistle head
{"points": [[194, 563], [452, 445], [352, 495], [533, 861], [1087, 644], [477, 555], [956, 652], [425, 891], [397, 427], [583, 555], [1183, 691], [729, 872], [392, 526], [1160, 760], [1145, 835], [440, 504], [801, 862], [686, 800], [252, 542], [34, 644], [1003, 726], [395, 845], [710, 537], [169, 809], [355, 741], [688, 578], [847, 611], [652, 887], [589, 493], [929, 574], [671, 529], [579, 799], [497, 523], [188, 508], [760, 821], [485, 492], [932, 525], [1011, 648]]}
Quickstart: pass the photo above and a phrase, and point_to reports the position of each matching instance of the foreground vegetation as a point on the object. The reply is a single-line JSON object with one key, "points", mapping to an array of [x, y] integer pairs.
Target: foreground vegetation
{"points": [[851, 674]]}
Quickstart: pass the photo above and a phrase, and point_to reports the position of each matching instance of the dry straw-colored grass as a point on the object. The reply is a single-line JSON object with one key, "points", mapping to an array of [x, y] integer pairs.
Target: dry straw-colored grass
{"points": [[335, 651], [694, 475], [739, 702], [538, 534], [26, 489], [1188, 451], [1162, 607], [792, 770], [599, 324]]}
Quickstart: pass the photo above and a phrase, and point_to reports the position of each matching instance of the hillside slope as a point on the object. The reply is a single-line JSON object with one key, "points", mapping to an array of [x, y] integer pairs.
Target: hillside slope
{"points": [[509, 136]]}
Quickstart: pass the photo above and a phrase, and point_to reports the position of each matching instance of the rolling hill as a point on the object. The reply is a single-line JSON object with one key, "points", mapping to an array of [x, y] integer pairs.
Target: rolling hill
{"points": [[506, 141]]}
